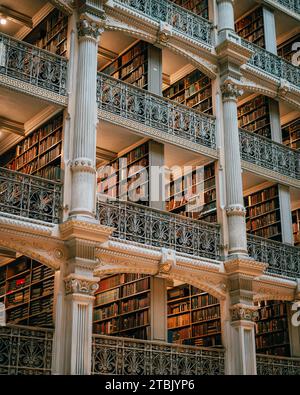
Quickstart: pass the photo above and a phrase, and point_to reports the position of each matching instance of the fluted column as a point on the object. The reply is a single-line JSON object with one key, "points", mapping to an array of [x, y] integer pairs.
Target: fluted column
{"points": [[234, 188], [225, 18], [84, 140]]}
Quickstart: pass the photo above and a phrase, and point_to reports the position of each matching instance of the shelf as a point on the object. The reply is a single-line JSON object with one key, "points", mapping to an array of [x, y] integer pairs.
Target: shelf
{"points": [[49, 148]]}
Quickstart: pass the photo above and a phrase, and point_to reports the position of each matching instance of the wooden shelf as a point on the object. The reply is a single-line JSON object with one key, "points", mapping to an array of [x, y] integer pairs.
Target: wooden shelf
{"points": [[248, 25]]}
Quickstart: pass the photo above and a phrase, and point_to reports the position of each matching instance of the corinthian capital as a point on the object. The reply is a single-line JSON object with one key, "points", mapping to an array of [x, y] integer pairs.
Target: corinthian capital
{"points": [[81, 286], [89, 28], [230, 90]]}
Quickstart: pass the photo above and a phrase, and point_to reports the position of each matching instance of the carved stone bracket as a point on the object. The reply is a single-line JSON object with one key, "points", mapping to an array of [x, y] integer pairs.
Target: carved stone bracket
{"points": [[230, 90], [164, 33], [168, 261], [83, 286], [88, 28]]}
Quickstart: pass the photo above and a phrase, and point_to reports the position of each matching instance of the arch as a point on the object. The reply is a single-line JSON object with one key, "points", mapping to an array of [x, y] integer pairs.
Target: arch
{"points": [[203, 65]]}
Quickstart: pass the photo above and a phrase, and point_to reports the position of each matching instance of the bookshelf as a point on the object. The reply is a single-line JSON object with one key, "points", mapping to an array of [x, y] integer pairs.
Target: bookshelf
{"points": [[296, 226], [254, 115], [122, 306], [194, 194], [199, 7], [271, 329], [27, 290], [263, 213], [51, 34], [40, 152], [251, 27], [285, 50], [194, 90], [193, 317], [131, 66], [291, 134]]}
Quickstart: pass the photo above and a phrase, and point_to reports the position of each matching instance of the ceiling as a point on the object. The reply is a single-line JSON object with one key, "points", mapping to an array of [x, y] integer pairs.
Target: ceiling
{"points": [[26, 7]]}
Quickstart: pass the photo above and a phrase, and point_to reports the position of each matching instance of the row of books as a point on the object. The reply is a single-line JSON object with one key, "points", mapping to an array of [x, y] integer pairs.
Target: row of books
{"points": [[136, 287], [107, 297], [252, 105], [134, 320], [200, 97], [272, 310], [252, 116], [206, 328], [24, 158], [210, 313], [135, 79], [263, 208], [26, 144], [254, 36], [37, 306], [211, 341], [17, 313], [135, 304], [136, 63], [18, 283], [199, 7], [44, 319], [265, 327], [179, 320], [17, 298], [261, 196], [52, 125], [50, 140], [133, 52], [174, 308], [273, 339], [197, 86], [50, 156], [249, 28], [264, 220], [248, 19], [106, 312], [261, 127], [40, 272], [203, 300], [269, 232], [50, 172]]}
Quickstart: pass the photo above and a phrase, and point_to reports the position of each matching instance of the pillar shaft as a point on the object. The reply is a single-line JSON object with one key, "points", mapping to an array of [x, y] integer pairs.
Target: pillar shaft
{"points": [[225, 15], [84, 141], [270, 30], [234, 187]]}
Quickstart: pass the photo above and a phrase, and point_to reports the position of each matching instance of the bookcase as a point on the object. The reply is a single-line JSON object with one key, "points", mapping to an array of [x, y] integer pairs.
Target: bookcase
{"points": [[27, 290], [285, 50], [271, 329], [199, 7], [194, 90], [193, 317], [127, 169], [291, 134], [51, 34], [296, 226], [254, 115], [131, 66], [263, 213], [40, 152], [122, 306], [251, 27], [194, 194]]}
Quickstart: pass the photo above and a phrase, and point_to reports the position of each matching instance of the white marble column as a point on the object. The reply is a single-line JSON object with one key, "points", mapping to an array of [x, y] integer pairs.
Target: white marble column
{"points": [[234, 187], [84, 139], [225, 15], [270, 30]]}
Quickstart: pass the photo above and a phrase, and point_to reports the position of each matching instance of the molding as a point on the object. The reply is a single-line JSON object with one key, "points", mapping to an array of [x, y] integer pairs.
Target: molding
{"points": [[84, 230], [16, 17], [25, 225], [156, 134], [63, 5], [75, 284], [10, 126], [36, 19], [35, 91], [245, 266]]}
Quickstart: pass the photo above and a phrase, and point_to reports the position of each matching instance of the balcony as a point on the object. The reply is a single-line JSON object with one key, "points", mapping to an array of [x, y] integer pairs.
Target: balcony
{"points": [[157, 228], [292, 5], [25, 350], [283, 259], [272, 65], [268, 365], [120, 356], [29, 197], [24, 66], [270, 155], [184, 23], [176, 123]]}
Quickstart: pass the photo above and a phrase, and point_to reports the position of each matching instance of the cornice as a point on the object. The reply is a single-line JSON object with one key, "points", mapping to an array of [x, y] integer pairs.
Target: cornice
{"points": [[64, 5], [25, 225], [245, 266], [31, 90], [84, 230], [156, 134]]}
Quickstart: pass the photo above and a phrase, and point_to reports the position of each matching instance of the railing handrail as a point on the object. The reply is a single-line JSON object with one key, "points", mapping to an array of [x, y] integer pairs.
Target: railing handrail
{"points": [[275, 242], [27, 327], [278, 358], [112, 201], [269, 141], [147, 93], [220, 349], [293, 7], [34, 47], [29, 176], [205, 21]]}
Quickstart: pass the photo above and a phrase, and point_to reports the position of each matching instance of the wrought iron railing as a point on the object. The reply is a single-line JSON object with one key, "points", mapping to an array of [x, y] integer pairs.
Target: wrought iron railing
{"points": [[269, 154], [25, 350], [29, 196], [157, 228], [33, 65], [268, 365], [154, 111], [183, 21], [293, 5], [283, 259], [272, 64], [115, 356]]}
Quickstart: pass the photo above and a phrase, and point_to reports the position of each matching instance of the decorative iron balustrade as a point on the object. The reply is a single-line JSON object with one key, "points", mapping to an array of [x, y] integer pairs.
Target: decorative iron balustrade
{"points": [[272, 64], [157, 228], [269, 154], [269, 365], [293, 5], [25, 350], [181, 19], [115, 356], [29, 196], [283, 259], [167, 116], [33, 65]]}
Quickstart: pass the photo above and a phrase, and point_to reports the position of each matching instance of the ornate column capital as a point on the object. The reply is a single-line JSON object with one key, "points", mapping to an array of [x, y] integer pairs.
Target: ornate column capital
{"points": [[83, 165], [236, 210], [230, 90], [88, 28], [241, 312], [82, 286]]}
